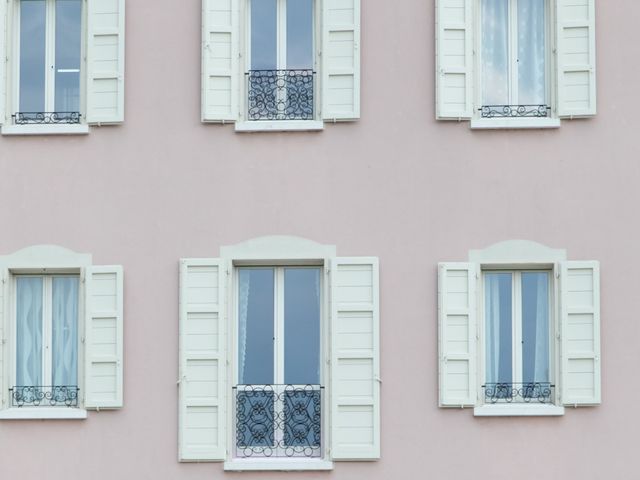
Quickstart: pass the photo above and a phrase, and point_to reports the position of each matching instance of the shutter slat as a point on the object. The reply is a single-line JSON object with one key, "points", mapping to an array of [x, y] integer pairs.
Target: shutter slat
{"points": [[576, 58], [580, 333], [457, 305], [454, 59], [104, 327], [105, 61], [355, 371], [220, 64], [341, 60], [202, 382]]}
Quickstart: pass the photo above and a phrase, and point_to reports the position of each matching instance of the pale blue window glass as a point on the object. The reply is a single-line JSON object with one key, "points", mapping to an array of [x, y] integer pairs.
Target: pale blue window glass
{"points": [[64, 332], [531, 52], [68, 51], [495, 52], [32, 55], [300, 34], [535, 327], [499, 327], [264, 37], [29, 331]]}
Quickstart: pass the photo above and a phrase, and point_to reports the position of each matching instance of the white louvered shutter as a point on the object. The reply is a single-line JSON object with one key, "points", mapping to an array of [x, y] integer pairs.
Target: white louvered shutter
{"points": [[340, 60], [105, 61], [4, 54], [355, 359], [457, 331], [220, 65], [576, 51], [580, 333], [454, 59], [104, 337], [202, 382], [4, 387]]}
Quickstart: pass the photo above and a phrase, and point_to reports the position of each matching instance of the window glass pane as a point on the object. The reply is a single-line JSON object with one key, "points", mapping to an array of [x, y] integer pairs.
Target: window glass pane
{"points": [[300, 34], [68, 51], [64, 332], [255, 325], [32, 55], [264, 35], [531, 52], [498, 330], [29, 331], [495, 52], [302, 326], [535, 327]]}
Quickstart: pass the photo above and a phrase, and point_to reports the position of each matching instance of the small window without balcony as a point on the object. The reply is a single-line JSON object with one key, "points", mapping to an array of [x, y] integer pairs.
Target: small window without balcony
{"points": [[515, 63]]}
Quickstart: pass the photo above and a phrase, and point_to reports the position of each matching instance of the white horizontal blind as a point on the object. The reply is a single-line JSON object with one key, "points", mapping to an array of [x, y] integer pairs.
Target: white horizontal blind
{"points": [[576, 51], [580, 333], [355, 359], [105, 61], [104, 337], [220, 63], [202, 382], [454, 59], [457, 334], [340, 60]]}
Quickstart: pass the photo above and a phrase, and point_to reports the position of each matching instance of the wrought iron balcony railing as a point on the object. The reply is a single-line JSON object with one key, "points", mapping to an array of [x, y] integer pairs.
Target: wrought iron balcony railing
{"points": [[278, 420], [507, 111], [46, 118], [50, 396], [528, 392], [280, 94]]}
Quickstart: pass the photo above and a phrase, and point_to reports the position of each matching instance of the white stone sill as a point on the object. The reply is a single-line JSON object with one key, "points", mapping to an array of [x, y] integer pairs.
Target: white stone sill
{"points": [[513, 123], [45, 129], [515, 410], [281, 464], [280, 126], [37, 413]]}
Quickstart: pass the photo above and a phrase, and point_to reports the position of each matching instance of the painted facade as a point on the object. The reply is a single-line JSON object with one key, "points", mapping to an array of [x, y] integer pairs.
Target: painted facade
{"points": [[396, 184]]}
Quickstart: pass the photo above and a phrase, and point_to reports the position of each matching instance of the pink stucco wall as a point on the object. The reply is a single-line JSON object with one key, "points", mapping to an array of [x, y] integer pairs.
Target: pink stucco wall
{"points": [[396, 184]]}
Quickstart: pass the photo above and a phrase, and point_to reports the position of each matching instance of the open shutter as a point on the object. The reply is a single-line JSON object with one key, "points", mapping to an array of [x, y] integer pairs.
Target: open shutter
{"points": [[104, 337], [580, 333], [340, 60], [355, 359], [457, 334], [220, 65], [576, 51], [454, 59], [4, 55], [105, 61], [202, 382], [4, 387]]}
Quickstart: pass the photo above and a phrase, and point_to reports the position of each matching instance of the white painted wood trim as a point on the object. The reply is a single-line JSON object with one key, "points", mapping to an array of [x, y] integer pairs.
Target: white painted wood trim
{"points": [[239, 465], [81, 129], [279, 126], [36, 413], [515, 410], [5, 360], [513, 123]]}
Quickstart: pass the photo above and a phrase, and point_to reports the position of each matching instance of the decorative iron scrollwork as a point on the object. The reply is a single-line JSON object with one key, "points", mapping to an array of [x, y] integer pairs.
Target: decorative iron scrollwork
{"points": [[527, 392], [503, 111], [280, 94], [46, 118], [36, 395], [278, 420]]}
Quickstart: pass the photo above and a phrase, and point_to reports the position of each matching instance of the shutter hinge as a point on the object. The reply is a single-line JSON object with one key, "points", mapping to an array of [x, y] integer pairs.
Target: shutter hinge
{"points": [[82, 340]]}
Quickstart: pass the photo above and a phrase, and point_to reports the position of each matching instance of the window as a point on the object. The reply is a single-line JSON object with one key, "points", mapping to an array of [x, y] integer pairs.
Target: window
{"points": [[519, 329], [65, 66], [61, 317], [262, 67], [289, 379], [515, 63]]}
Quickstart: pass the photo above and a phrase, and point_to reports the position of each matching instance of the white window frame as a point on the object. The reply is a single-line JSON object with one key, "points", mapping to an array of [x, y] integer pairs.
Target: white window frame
{"points": [[13, 76], [244, 124], [552, 121]]}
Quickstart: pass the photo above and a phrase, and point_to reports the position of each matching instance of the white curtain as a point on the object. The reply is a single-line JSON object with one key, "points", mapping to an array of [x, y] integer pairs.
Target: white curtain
{"points": [[531, 52], [64, 334], [29, 331], [244, 285], [492, 329], [541, 363], [495, 52]]}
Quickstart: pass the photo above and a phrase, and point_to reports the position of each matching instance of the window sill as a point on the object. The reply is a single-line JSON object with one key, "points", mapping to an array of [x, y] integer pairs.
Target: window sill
{"points": [[279, 126], [36, 413], [515, 410], [45, 129], [282, 464], [513, 123]]}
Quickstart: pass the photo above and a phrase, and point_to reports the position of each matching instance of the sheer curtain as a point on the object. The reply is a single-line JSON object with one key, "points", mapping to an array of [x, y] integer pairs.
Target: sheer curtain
{"points": [[64, 333], [29, 331], [244, 285], [541, 363], [531, 52], [495, 52], [492, 329]]}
